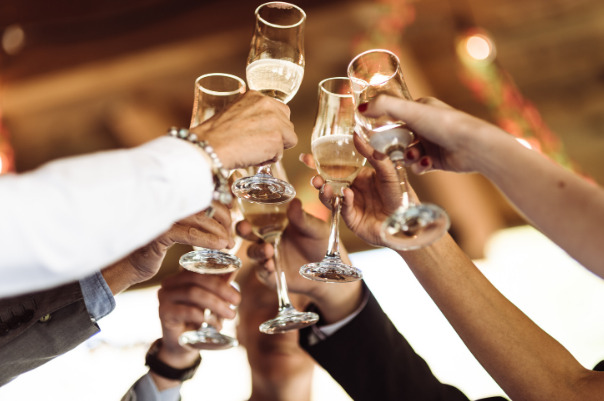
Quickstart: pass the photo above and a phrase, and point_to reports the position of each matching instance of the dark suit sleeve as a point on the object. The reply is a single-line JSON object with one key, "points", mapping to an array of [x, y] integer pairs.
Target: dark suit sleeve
{"points": [[37, 327], [371, 360]]}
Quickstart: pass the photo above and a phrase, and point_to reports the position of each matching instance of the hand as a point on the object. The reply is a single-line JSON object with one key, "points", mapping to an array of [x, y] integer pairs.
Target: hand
{"points": [[448, 138], [303, 241], [371, 198], [252, 131], [182, 301], [196, 230], [184, 297]]}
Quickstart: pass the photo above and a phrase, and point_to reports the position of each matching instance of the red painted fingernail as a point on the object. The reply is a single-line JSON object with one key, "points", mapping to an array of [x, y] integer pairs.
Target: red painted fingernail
{"points": [[362, 107], [424, 162]]}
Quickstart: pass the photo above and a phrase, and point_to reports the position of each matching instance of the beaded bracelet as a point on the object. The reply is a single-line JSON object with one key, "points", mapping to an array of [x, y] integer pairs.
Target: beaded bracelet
{"points": [[222, 191]]}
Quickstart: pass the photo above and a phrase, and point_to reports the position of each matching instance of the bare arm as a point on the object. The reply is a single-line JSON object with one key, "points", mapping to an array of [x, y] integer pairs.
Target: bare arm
{"points": [[564, 206], [524, 360]]}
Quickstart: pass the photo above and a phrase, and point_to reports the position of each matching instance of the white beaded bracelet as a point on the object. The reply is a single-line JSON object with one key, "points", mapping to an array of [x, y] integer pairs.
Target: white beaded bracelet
{"points": [[222, 191]]}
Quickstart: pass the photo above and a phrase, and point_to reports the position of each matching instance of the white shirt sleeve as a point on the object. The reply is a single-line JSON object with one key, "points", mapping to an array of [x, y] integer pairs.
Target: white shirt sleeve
{"points": [[74, 216]]}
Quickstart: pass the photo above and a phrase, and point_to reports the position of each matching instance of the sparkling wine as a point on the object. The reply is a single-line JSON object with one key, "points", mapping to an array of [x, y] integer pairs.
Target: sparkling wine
{"points": [[267, 219], [337, 158], [391, 140], [276, 78]]}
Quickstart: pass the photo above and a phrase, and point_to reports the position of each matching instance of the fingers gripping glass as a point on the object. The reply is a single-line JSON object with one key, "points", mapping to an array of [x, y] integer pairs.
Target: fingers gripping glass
{"points": [[338, 162], [213, 93], [275, 67], [412, 225], [268, 222]]}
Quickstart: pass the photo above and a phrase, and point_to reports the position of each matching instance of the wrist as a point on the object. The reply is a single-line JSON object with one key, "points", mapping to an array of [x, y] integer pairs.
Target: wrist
{"points": [[221, 150], [222, 191], [483, 148], [119, 277], [171, 366], [336, 302]]}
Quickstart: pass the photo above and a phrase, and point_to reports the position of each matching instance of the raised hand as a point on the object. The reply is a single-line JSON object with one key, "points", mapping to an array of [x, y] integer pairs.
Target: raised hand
{"points": [[448, 139], [183, 298], [372, 197], [253, 130], [304, 240], [196, 230]]}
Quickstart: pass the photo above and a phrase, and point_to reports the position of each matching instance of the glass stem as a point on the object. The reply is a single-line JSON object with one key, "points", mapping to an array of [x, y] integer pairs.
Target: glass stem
{"points": [[333, 249], [266, 169], [282, 293], [401, 172], [207, 314]]}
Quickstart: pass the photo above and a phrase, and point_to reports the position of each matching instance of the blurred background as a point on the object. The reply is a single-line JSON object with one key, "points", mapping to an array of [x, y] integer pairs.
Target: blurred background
{"points": [[77, 77]]}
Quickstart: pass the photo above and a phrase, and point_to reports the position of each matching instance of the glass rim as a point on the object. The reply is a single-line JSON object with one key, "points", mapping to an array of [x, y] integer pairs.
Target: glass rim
{"points": [[242, 89], [324, 89], [273, 25], [366, 52]]}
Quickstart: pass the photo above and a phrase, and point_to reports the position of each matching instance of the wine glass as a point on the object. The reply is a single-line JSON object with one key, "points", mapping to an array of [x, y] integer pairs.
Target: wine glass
{"points": [[268, 221], [275, 67], [213, 93], [376, 72], [338, 162]]}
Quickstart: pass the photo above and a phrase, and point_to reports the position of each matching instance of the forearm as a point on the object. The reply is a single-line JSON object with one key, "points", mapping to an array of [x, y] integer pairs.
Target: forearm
{"points": [[75, 216], [526, 362], [565, 207]]}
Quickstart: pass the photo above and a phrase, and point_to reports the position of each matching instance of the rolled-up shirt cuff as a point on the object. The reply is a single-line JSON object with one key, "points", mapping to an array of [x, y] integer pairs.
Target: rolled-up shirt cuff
{"points": [[97, 295]]}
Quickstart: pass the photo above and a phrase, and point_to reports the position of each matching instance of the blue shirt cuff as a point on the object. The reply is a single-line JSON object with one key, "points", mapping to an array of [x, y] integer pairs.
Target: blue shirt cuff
{"points": [[97, 296], [146, 390]]}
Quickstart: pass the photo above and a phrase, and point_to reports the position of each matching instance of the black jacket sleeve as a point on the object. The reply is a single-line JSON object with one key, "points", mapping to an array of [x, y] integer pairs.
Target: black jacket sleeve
{"points": [[371, 360]]}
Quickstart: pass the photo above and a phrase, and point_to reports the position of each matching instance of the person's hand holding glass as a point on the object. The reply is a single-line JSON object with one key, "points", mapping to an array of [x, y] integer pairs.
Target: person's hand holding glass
{"points": [[275, 67], [338, 162], [376, 72], [213, 93], [268, 221]]}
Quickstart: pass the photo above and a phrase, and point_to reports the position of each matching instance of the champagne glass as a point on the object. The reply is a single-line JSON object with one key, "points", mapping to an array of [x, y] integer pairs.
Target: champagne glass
{"points": [[268, 221], [213, 93], [275, 67], [338, 162], [376, 72]]}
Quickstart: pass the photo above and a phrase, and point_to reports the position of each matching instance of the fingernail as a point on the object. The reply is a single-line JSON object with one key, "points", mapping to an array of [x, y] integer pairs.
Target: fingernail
{"points": [[363, 107], [424, 162]]}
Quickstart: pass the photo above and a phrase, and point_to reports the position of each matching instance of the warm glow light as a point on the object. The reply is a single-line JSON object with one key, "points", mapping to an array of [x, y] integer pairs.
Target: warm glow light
{"points": [[479, 47], [13, 39], [475, 45]]}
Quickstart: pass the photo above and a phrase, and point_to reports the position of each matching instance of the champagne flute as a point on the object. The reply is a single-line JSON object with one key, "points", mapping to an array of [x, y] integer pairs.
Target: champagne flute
{"points": [[268, 221], [338, 162], [213, 93], [275, 67], [412, 225]]}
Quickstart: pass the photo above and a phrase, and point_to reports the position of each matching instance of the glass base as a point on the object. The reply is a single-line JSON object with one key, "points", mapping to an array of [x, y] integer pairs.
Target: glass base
{"points": [[331, 270], [415, 227], [207, 338], [263, 188], [289, 319], [210, 261]]}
